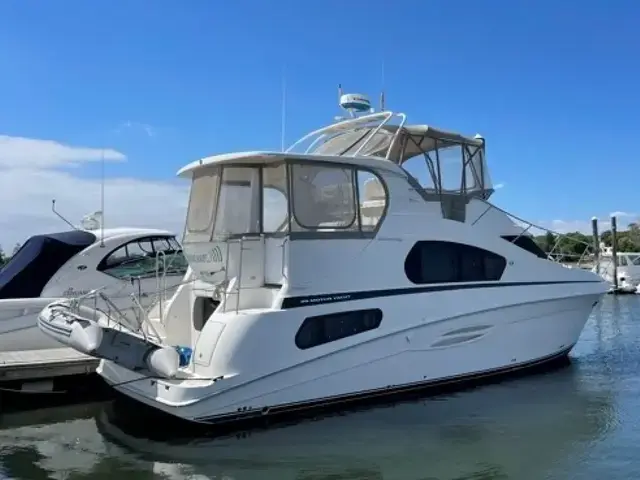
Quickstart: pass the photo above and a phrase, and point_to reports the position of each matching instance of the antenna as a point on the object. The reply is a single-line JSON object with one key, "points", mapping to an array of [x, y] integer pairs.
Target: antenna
{"points": [[382, 91], [53, 209], [102, 198], [284, 108]]}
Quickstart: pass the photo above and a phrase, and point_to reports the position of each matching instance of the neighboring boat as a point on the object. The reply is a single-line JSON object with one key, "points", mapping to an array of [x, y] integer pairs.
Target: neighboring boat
{"points": [[628, 270], [334, 275], [117, 262]]}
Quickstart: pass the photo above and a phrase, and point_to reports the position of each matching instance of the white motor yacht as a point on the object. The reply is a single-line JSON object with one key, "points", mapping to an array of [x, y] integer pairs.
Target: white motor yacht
{"points": [[331, 273], [627, 269]]}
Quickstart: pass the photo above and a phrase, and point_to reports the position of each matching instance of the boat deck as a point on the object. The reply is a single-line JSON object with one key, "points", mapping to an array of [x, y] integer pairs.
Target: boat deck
{"points": [[44, 364]]}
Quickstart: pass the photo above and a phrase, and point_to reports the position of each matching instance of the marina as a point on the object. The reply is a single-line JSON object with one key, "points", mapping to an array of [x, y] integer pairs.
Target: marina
{"points": [[254, 273], [119, 301]]}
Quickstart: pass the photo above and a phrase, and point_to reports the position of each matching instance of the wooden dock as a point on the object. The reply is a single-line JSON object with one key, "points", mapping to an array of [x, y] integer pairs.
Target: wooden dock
{"points": [[37, 365], [31, 380]]}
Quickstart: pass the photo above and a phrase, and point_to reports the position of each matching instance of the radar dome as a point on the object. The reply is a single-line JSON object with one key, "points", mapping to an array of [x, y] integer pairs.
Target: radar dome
{"points": [[356, 102]]}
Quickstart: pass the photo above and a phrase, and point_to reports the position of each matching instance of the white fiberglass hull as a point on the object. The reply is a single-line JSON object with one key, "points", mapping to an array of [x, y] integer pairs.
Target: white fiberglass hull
{"points": [[19, 325], [494, 341]]}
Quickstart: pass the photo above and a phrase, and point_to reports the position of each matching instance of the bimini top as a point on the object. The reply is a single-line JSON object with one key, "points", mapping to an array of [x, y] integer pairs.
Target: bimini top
{"points": [[456, 163], [31, 267]]}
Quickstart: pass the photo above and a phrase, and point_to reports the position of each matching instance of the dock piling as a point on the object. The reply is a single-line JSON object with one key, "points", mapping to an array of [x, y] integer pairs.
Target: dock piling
{"points": [[614, 251], [596, 243]]}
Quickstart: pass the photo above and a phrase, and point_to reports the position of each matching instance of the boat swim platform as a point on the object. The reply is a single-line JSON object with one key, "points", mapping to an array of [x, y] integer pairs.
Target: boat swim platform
{"points": [[45, 364]]}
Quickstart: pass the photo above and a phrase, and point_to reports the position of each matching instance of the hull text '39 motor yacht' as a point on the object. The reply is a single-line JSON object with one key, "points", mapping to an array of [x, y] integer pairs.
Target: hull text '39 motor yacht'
{"points": [[334, 274]]}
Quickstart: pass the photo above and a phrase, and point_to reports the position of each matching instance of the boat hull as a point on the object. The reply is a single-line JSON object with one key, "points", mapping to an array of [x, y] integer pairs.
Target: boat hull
{"points": [[19, 325], [500, 341]]}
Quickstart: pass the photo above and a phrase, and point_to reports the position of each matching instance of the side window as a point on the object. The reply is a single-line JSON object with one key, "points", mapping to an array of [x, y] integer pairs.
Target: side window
{"points": [[323, 329], [275, 204], [372, 201], [140, 258], [324, 198], [449, 262], [202, 202]]}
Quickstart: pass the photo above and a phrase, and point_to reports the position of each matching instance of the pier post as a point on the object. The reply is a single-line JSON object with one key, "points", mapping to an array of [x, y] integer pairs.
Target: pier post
{"points": [[596, 244], [614, 251]]}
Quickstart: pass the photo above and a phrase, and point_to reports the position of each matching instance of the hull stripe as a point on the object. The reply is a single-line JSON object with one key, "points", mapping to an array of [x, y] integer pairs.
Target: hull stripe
{"points": [[305, 301]]}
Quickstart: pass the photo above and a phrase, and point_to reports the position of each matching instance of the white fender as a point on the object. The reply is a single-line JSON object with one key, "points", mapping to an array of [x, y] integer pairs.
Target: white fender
{"points": [[85, 338], [164, 362]]}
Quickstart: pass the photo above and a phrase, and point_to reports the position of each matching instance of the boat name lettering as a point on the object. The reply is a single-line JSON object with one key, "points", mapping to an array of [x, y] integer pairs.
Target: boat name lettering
{"points": [[213, 256], [71, 293], [328, 298]]}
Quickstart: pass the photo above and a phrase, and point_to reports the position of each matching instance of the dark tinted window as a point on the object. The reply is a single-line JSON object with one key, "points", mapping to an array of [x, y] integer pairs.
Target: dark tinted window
{"points": [[446, 262], [526, 243], [322, 329]]}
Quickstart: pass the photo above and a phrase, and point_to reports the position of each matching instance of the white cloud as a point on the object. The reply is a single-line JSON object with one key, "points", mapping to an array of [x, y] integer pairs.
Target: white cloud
{"points": [[30, 177], [584, 226], [498, 186], [20, 152], [145, 128], [622, 214], [25, 203]]}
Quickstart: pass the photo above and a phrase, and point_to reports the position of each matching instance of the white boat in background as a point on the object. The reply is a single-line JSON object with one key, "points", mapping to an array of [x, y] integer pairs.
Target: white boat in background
{"points": [[115, 262], [332, 274], [628, 271]]}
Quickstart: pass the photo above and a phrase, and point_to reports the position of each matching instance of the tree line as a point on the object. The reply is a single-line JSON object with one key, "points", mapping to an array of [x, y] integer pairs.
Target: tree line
{"points": [[573, 245], [4, 258]]}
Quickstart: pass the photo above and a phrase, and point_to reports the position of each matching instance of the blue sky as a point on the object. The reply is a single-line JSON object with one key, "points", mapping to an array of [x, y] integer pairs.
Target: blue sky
{"points": [[553, 86]]}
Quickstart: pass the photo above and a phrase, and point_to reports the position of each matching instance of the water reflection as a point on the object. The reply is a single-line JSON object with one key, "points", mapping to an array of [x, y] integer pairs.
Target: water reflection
{"points": [[521, 429]]}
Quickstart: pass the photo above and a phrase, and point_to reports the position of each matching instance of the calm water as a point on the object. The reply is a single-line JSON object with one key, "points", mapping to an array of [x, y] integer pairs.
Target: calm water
{"points": [[579, 422]]}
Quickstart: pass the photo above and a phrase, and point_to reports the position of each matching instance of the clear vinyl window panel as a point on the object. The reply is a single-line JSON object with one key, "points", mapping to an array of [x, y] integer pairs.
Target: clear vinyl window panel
{"points": [[275, 199], [323, 197], [202, 204], [372, 200], [238, 207]]}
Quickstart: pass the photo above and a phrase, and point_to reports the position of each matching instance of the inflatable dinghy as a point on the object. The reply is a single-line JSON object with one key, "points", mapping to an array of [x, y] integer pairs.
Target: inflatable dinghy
{"points": [[92, 332]]}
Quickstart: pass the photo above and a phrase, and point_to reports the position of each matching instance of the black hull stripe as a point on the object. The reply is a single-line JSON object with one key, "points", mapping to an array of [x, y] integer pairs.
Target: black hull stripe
{"points": [[305, 301], [378, 395]]}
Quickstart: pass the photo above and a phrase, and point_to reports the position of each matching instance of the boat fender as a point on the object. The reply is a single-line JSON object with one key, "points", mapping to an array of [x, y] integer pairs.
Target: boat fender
{"points": [[164, 362], [85, 338]]}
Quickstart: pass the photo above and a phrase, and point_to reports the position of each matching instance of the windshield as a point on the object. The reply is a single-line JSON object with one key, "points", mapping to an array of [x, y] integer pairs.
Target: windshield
{"points": [[29, 270]]}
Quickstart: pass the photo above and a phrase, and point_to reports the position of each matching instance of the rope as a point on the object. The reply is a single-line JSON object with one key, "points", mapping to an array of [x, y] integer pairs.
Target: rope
{"points": [[113, 385]]}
